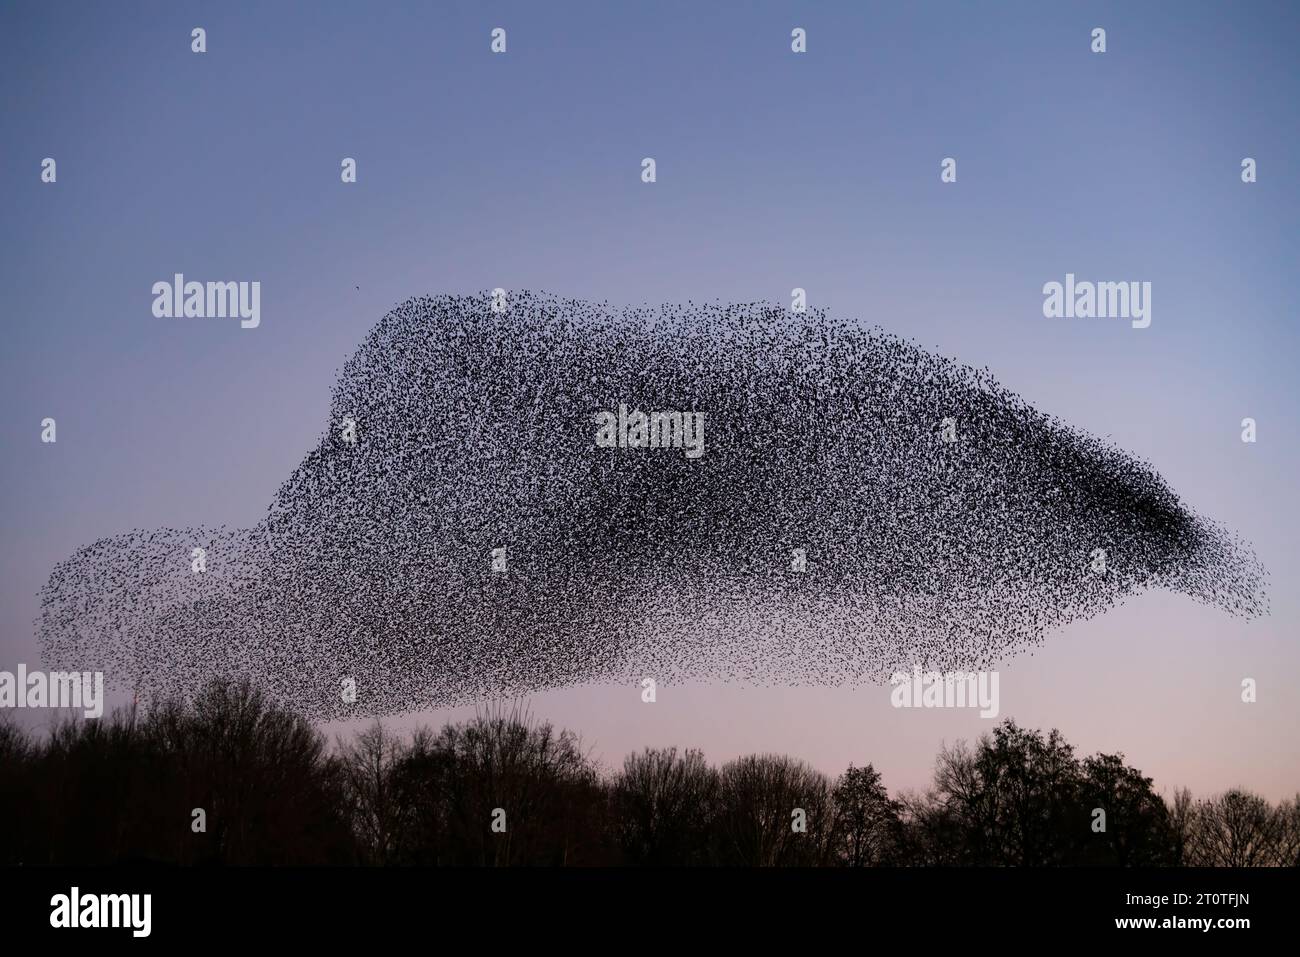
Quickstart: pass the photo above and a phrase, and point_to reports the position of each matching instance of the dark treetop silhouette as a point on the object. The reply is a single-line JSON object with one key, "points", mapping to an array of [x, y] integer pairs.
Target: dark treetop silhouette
{"points": [[127, 789]]}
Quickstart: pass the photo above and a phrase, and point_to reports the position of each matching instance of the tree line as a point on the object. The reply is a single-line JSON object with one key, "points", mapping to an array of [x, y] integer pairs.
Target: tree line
{"points": [[233, 779]]}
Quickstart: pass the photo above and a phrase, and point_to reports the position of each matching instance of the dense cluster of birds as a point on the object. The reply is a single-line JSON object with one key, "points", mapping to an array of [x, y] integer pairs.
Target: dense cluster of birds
{"points": [[457, 534]]}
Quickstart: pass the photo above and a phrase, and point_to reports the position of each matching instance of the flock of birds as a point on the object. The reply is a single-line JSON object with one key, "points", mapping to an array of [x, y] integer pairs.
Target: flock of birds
{"points": [[457, 534]]}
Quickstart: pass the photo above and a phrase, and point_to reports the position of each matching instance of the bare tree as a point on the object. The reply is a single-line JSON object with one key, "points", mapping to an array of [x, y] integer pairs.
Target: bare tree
{"points": [[1288, 832], [773, 810], [368, 764], [1238, 829], [931, 833], [526, 793], [664, 804]]}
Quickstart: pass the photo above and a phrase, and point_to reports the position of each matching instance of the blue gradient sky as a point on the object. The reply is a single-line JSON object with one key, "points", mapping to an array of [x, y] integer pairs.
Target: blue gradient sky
{"points": [[774, 171]]}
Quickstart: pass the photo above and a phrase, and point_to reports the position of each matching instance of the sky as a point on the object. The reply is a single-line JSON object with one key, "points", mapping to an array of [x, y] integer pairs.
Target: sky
{"points": [[775, 170]]}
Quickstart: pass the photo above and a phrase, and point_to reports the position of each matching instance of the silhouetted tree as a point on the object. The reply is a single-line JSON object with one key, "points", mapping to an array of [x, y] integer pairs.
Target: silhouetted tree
{"points": [[535, 781], [123, 788], [663, 807], [1288, 833], [262, 773], [19, 827], [1016, 796], [868, 821], [424, 781], [1139, 831], [1239, 829], [931, 834], [758, 797], [104, 788], [374, 805], [1181, 814]]}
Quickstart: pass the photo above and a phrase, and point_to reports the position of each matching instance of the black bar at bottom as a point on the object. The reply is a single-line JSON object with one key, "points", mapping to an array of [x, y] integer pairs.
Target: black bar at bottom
{"points": [[365, 906]]}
